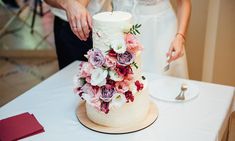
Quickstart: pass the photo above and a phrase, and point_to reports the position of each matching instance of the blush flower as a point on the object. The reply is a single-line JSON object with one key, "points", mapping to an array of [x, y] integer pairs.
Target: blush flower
{"points": [[107, 93], [132, 43], [87, 92], [88, 89], [125, 59], [96, 57], [85, 69], [78, 91], [122, 86], [78, 81], [110, 62]]}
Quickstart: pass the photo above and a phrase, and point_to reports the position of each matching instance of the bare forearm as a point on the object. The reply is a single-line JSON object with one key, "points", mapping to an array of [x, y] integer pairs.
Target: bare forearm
{"points": [[62, 4], [56, 3], [183, 15]]}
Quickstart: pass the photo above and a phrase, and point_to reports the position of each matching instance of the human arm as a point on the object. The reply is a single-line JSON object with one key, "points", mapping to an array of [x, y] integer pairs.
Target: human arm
{"points": [[77, 14], [183, 15]]}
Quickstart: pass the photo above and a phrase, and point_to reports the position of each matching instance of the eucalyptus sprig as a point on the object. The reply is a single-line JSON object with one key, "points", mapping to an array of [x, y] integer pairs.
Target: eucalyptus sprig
{"points": [[134, 29], [135, 65]]}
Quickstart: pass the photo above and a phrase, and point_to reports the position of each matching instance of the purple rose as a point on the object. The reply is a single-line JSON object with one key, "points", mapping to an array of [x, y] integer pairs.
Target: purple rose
{"points": [[95, 57], [125, 58], [107, 92]]}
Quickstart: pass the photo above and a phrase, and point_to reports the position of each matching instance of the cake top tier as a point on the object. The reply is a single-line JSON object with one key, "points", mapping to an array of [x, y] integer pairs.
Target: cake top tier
{"points": [[109, 29], [114, 16]]}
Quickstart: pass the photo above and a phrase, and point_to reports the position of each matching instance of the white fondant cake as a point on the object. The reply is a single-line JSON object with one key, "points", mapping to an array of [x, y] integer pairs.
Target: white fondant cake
{"points": [[111, 83]]}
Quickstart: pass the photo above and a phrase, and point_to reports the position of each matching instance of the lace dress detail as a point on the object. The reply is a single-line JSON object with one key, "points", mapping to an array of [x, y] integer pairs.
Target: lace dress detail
{"points": [[129, 5]]}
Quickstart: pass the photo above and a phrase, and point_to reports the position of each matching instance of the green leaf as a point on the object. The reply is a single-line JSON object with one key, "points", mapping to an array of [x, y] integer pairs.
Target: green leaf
{"points": [[135, 65], [137, 31], [139, 26]]}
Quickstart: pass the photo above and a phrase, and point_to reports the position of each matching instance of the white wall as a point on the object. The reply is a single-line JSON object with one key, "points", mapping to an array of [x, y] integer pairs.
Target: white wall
{"points": [[210, 41], [224, 62]]}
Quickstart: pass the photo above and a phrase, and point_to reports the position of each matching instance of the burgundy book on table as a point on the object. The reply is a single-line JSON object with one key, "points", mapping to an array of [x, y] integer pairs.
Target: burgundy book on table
{"points": [[19, 126]]}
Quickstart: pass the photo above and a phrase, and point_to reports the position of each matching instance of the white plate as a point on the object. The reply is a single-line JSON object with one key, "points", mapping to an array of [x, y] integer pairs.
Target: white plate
{"points": [[167, 89]]}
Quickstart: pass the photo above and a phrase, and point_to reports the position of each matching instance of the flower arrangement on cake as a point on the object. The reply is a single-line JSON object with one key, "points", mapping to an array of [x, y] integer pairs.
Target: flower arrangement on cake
{"points": [[107, 79]]}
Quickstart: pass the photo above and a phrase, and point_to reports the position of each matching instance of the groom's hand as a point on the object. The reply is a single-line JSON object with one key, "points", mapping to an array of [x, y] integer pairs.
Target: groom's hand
{"points": [[177, 48], [79, 19]]}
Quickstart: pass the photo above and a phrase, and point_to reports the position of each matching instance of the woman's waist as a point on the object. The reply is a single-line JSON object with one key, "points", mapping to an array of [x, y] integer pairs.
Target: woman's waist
{"points": [[156, 7]]}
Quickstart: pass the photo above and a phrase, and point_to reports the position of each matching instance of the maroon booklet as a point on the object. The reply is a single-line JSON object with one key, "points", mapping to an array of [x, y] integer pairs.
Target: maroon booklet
{"points": [[19, 126]]}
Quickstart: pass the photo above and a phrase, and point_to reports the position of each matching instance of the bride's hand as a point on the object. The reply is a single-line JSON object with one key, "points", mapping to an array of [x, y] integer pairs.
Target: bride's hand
{"points": [[177, 48], [79, 19]]}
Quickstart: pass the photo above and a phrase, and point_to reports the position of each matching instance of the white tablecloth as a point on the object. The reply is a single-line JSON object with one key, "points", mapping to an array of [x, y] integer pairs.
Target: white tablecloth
{"points": [[53, 103]]}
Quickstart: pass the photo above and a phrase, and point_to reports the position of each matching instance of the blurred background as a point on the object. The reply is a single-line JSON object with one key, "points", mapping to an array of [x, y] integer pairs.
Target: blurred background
{"points": [[27, 50]]}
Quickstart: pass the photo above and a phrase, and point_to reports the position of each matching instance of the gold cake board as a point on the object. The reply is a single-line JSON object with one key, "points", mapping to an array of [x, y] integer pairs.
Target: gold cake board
{"points": [[85, 121]]}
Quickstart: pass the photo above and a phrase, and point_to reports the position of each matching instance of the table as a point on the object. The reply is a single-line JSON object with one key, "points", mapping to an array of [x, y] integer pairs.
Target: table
{"points": [[53, 103]]}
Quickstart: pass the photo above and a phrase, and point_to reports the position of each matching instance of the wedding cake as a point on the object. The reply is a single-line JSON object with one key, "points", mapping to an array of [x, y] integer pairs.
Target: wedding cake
{"points": [[111, 82]]}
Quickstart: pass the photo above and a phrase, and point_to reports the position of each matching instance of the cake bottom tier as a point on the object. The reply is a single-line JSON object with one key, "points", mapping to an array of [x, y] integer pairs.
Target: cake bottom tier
{"points": [[129, 114]]}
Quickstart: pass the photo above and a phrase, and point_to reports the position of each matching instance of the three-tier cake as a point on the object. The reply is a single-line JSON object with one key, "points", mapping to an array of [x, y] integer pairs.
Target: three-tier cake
{"points": [[111, 82]]}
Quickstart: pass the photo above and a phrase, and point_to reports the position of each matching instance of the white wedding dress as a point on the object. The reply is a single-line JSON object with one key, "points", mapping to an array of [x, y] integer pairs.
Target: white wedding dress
{"points": [[159, 26]]}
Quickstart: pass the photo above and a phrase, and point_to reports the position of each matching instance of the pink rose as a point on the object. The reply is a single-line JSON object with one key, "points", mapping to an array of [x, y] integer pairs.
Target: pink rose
{"points": [[122, 86], [85, 70], [88, 89], [88, 79], [129, 77], [78, 91], [132, 43], [96, 57], [125, 59], [110, 62]]}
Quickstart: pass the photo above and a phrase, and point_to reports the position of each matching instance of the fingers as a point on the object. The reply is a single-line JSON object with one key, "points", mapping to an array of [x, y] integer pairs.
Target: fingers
{"points": [[174, 53], [79, 30], [80, 27], [169, 53], [85, 26], [73, 26], [89, 19]]}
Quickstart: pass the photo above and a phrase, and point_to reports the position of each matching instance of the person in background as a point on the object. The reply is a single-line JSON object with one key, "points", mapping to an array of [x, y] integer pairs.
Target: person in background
{"points": [[11, 3], [72, 27], [163, 33]]}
